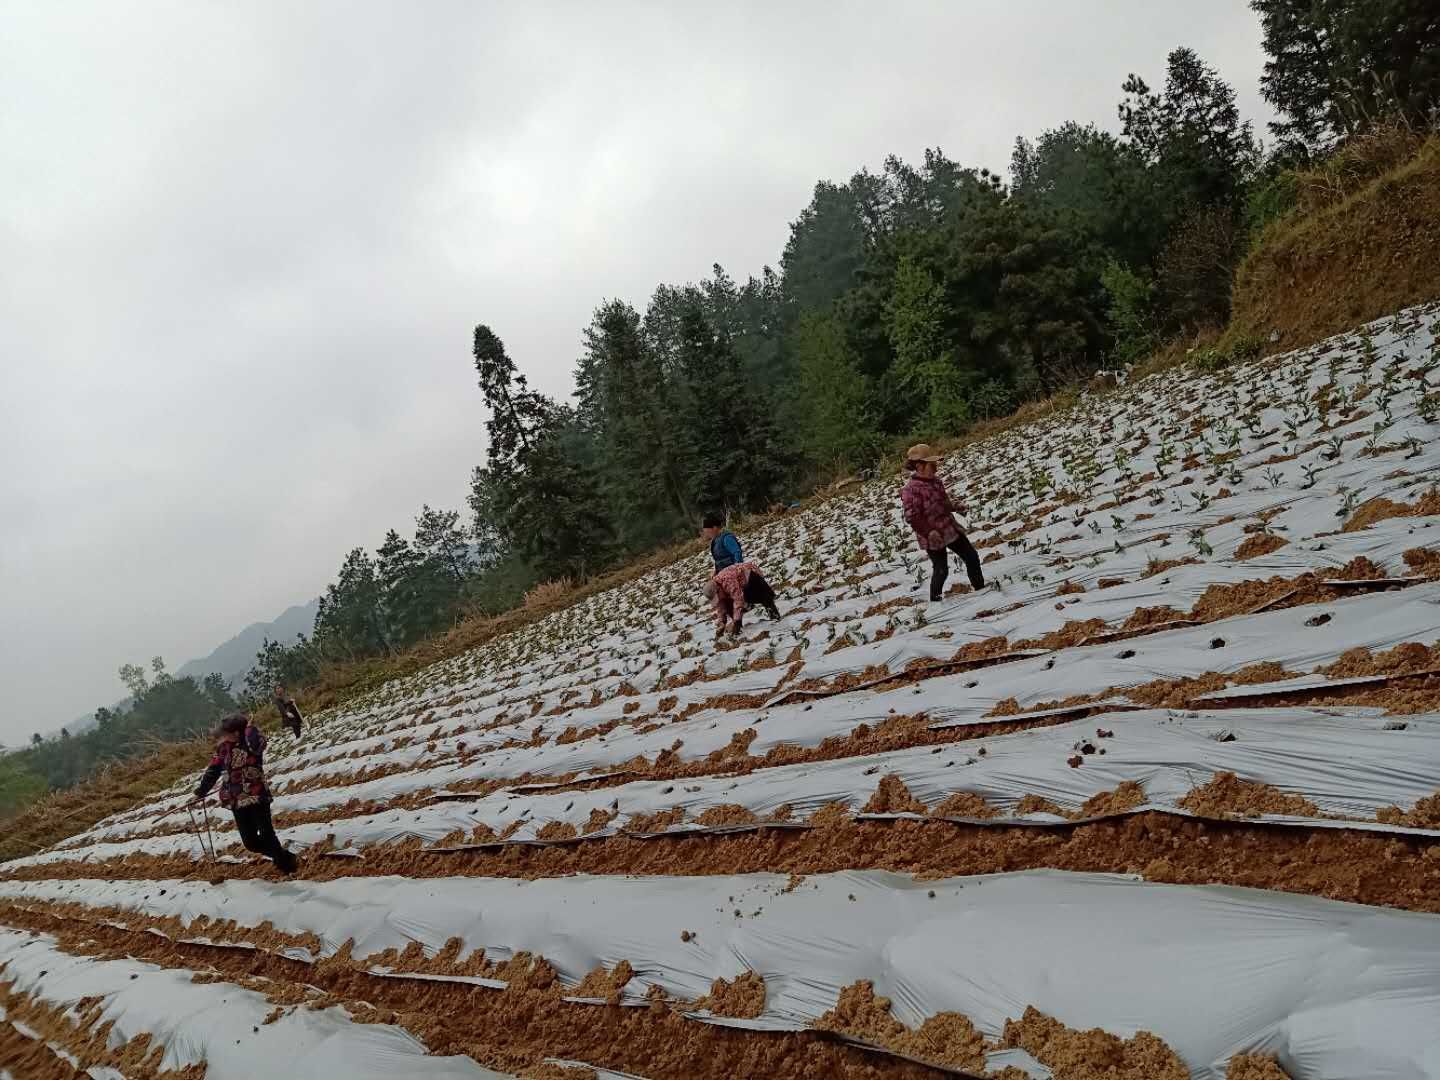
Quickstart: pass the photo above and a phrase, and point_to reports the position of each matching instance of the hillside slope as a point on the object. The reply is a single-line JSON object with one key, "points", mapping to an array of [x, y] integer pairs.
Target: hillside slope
{"points": [[1174, 777]]}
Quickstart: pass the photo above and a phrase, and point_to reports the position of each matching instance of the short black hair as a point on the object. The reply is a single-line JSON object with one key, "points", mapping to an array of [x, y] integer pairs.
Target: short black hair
{"points": [[714, 520], [235, 723]]}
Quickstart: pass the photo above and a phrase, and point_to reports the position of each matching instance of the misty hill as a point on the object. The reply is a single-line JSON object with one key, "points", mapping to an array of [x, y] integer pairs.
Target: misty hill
{"points": [[235, 657], [232, 659]]}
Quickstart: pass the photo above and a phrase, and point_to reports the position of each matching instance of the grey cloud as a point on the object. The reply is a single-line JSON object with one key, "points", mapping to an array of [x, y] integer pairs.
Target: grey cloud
{"points": [[244, 246]]}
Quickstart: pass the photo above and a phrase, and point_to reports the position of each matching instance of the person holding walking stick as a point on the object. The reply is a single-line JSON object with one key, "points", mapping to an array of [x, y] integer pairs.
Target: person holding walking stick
{"points": [[239, 767]]}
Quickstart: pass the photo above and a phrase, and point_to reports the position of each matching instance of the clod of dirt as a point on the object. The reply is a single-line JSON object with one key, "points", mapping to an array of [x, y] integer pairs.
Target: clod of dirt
{"points": [[606, 984], [1423, 561], [947, 1038], [726, 814], [557, 830], [656, 822], [1125, 797], [893, 797], [965, 804], [1254, 1067], [1037, 804], [741, 998], [1382, 509], [1144, 617], [1407, 657], [1425, 815], [1226, 795], [1093, 1054], [1258, 544], [834, 813]]}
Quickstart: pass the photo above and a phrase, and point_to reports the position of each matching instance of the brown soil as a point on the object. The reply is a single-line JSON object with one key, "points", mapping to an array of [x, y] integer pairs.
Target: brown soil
{"points": [[656, 822], [1382, 509], [1144, 617], [510, 1030], [726, 814], [1407, 657], [1423, 561], [1037, 804], [1259, 544], [599, 819], [1226, 795], [1254, 1067], [830, 815], [742, 997], [1093, 1054], [946, 1039], [605, 984], [551, 1071], [557, 830], [893, 797], [1424, 815], [1072, 633], [79, 1032], [1164, 566], [965, 804], [1070, 588], [1124, 798]]}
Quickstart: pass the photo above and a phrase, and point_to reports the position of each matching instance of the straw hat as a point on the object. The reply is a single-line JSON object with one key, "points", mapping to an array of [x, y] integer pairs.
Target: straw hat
{"points": [[922, 452]]}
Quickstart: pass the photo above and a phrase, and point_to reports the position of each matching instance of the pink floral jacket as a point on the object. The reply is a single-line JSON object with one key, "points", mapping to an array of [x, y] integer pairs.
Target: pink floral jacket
{"points": [[729, 602], [928, 510]]}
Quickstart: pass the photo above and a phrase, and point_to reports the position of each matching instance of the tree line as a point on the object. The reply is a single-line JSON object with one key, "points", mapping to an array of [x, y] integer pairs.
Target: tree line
{"points": [[910, 302]]}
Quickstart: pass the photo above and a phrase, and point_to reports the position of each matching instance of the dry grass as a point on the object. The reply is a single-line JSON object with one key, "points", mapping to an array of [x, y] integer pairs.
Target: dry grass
{"points": [[549, 592], [112, 789], [1359, 257]]}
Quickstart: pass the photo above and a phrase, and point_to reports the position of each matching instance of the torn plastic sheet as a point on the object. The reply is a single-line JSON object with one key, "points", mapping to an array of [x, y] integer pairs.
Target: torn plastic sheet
{"points": [[212, 1022], [1335, 989]]}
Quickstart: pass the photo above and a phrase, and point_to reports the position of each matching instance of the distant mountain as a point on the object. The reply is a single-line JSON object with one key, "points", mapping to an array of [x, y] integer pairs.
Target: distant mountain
{"points": [[234, 658]]}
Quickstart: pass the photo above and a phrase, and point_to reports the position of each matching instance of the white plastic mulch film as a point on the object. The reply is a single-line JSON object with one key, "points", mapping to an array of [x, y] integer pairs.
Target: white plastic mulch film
{"points": [[1144, 498]]}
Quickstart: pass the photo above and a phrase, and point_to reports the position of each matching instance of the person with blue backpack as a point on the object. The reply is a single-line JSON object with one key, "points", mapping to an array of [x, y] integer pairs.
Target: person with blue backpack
{"points": [[733, 575], [724, 545]]}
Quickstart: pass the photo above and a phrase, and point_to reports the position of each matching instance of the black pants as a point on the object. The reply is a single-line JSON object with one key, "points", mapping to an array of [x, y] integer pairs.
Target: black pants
{"points": [[257, 832], [758, 593], [940, 560]]}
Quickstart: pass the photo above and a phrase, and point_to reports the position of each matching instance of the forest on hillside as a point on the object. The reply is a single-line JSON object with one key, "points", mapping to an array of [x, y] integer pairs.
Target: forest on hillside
{"points": [[909, 302]]}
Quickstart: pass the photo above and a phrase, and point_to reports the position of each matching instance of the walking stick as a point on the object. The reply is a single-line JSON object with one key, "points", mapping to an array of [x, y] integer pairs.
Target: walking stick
{"points": [[195, 822]]}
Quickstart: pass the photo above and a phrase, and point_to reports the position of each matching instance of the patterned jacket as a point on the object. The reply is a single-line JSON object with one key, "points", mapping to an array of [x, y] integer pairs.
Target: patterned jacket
{"points": [[928, 511], [239, 765], [729, 602]]}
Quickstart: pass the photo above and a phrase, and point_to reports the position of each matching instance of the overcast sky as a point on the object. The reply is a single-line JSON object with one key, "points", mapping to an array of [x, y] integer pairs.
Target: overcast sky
{"points": [[243, 247]]}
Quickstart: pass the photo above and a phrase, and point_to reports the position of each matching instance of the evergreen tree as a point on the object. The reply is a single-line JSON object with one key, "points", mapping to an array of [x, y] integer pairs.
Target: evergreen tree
{"points": [[834, 413], [624, 404], [1191, 133], [1336, 66], [350, 619]]}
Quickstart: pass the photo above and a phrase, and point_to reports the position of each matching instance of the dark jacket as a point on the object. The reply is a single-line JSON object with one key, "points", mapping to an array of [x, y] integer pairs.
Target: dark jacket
{"points": [[239, 765], [725, 550], [289, 713]]}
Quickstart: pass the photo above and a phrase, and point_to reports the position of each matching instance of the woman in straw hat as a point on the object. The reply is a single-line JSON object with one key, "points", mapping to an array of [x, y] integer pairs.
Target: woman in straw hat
{"points": [[931, 513]]}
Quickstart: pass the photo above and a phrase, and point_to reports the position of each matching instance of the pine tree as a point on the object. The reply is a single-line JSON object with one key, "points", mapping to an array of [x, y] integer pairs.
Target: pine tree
{"points": [[1336, 66]]}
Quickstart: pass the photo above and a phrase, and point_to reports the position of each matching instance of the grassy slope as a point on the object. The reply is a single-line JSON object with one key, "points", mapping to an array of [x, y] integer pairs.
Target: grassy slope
{"points": [[1369, 255]]}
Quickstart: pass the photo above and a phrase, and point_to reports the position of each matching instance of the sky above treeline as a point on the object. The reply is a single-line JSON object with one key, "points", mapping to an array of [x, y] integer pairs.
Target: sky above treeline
{"points": [[243, 248]]}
